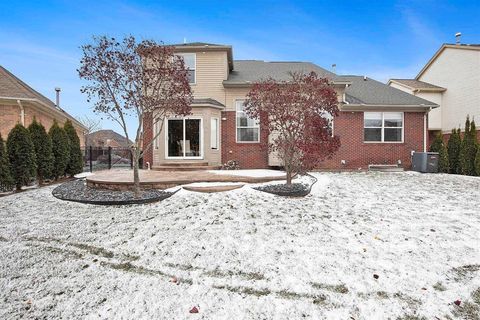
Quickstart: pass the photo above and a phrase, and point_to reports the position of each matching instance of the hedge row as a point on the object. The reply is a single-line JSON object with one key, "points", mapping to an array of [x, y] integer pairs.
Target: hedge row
{"points": [[32, 153], [460, 155]]}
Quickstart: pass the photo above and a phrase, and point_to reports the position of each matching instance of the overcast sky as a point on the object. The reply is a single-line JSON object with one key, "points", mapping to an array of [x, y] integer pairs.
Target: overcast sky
{"points": [[39, 40]]}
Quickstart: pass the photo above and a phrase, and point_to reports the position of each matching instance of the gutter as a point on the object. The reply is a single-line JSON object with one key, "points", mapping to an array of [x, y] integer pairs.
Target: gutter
{"points": [[22, 112], [399, 107]]}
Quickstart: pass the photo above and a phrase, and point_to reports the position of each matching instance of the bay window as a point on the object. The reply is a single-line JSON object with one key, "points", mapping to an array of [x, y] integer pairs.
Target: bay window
{"points": [[248, 129], [383, 126]]}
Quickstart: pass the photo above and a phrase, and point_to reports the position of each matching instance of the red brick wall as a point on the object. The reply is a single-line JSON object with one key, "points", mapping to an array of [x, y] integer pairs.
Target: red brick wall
{"points": [[249, 155], [349, 126], [147, 137], [358, 154], [10, 116]]}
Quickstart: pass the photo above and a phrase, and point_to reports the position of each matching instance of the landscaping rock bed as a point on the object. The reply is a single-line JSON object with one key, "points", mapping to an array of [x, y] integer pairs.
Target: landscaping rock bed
{"points": [[294, 190], [78, 191]]}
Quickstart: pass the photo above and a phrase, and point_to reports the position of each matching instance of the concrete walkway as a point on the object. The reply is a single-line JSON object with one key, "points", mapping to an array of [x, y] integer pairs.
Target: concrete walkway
{"points": [[149, 179]]}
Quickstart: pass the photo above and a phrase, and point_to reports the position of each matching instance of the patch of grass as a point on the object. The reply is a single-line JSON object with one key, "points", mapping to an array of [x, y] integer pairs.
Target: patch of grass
{"points": [[407, 299], [338, 288], [439, 286], [129, 267], [184, 267], [382, 294], [411, 317], [245, 290], [285, 294], [465, 272], [70, 253], [98, 251], [476, 296], [467, 310], [216, 273]]}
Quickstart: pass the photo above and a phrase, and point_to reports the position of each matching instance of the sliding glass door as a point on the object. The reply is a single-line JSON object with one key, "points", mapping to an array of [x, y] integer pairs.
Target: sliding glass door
{"points": [[184, 138]]}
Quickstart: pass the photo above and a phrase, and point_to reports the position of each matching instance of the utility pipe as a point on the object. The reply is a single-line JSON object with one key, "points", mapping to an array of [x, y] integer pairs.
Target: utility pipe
{"points": [[22, 112]]}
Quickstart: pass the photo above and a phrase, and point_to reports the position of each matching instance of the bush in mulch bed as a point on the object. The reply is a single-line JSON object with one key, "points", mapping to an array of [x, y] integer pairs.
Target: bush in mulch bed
{"points": [[293, 190], [78, 191]]}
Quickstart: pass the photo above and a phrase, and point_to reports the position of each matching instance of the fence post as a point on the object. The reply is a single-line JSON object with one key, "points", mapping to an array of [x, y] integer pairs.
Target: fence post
{"points": [[90, 158], [109, 157]]}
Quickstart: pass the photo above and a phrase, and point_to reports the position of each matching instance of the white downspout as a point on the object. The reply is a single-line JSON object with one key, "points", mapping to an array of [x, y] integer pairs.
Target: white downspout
{"points": [[425, 131], [22, 112]]}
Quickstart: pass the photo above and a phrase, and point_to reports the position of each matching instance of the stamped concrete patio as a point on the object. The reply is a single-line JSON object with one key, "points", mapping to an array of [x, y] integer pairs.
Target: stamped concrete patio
{"points": [[151, 179]]}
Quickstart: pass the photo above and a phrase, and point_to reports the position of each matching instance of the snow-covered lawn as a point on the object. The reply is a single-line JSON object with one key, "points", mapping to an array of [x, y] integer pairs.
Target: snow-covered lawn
{"points": [[246, 254]]}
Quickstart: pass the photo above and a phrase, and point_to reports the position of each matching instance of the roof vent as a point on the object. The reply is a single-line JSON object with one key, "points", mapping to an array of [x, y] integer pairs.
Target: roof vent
{"points": [[57, 96], [334, 68], [458, 37]]}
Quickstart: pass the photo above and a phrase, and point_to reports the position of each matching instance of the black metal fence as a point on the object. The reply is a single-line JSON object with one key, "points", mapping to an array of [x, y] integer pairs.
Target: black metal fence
{"points": [[102, 158]]}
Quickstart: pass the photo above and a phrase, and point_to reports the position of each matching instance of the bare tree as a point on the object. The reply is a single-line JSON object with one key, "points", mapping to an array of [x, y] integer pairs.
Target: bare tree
{"points": [[139, 79], [297, 115], [91, 124]]}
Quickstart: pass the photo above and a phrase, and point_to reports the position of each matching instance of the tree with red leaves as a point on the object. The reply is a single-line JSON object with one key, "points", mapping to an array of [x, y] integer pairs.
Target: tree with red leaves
{"points": [[135, 79], [297, 115]]}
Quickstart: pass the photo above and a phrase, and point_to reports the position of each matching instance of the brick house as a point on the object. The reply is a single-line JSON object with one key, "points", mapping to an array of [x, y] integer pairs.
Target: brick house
{"points": [[451, 79], [19, 103], [377, 124]]}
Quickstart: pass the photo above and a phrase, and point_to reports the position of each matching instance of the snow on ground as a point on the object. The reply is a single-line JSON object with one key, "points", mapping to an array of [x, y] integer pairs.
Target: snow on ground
{"points": [[256, 173], [246, 254]]}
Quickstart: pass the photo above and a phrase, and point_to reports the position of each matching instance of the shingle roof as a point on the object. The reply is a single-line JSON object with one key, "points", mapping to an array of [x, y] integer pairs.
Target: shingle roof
{"points": [[373, 92], [13, 87], [254, 70], [197, 44], [360, 91], [417, 84], [208, 101]]}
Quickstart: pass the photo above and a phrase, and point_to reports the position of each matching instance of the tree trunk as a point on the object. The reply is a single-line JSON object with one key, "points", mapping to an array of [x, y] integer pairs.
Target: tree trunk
{"points": [[289, 177], [136, 177]]}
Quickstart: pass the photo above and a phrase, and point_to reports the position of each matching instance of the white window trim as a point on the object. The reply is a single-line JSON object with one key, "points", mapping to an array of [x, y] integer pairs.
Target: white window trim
{"points": [[383, 128], [217, 136], [195, 66], [155, 134], [201, 138], [237, 127]]}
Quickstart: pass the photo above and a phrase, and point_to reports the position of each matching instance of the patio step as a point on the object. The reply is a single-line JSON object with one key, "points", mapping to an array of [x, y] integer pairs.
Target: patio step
{"points": [[185, 168], [185, 164]]}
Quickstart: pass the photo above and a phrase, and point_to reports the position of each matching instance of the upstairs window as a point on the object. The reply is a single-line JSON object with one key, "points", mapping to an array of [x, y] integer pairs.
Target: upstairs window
{"points": [[383, 126], [190, 60], [248, 129]]}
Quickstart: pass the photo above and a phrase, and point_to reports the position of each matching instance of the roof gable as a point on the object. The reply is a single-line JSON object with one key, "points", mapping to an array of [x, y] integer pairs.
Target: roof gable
{"points": [[13, 88], [442, 48]]}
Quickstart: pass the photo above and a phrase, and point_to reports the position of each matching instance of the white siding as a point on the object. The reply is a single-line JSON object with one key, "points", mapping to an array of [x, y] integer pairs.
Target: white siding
{"points": [[457, 70]]}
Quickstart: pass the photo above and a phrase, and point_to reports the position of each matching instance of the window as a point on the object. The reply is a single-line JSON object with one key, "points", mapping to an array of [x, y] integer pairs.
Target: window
{"points": [[248, 129], [190, 60], [383, 126], [214, 134]]}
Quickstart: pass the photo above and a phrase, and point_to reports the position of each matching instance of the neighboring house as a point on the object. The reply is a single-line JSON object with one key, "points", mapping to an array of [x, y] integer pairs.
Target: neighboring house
{"points": [[107, 138], [377, 124], [19, 103], [451, 79]]}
